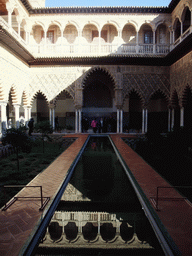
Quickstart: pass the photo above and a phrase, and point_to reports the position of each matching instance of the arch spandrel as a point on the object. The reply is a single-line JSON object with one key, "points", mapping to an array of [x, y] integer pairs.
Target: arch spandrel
{"points": [[145, 84], [184, 94]]}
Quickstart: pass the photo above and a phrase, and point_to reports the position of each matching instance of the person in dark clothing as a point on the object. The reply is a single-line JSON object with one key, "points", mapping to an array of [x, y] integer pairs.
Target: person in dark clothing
{"points": [[101, 125], [56, 123], [30, 125]]}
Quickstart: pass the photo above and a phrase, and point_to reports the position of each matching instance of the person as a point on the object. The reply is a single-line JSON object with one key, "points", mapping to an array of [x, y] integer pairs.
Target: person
{"points": [[56, 123], [94, 125], [9, 124], [101, 125], [30, 125]]}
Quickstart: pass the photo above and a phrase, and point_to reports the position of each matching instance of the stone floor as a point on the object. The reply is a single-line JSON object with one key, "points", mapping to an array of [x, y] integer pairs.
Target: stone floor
{"points": [[18, 222]]}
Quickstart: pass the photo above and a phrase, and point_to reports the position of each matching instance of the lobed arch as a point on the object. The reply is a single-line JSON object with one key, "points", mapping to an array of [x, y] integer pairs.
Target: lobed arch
{"points": [[137, 92], [25, 99], [100, 69], [13, 94], [184, 94], [2, 97], [159, 92], [36, 94], [64, 94], [174, 99]]}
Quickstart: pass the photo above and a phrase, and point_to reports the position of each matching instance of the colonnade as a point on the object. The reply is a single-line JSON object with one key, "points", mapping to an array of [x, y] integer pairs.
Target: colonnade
{"points": [[78, 117], [171, 118]]}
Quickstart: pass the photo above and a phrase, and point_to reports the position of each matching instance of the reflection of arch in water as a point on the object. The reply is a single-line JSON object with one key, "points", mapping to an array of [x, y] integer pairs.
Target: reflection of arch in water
{"points": [[71, 230], [55, 231], [90, 231], [108, 232]]}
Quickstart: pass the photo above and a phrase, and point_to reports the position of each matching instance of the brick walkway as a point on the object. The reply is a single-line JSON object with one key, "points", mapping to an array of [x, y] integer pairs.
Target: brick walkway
{"points": [[19, 221], [176, 215]]}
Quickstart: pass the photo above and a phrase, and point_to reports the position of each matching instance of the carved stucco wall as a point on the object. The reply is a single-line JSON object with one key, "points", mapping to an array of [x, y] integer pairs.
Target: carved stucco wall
{"points": [[181, 77], [51, 81]]}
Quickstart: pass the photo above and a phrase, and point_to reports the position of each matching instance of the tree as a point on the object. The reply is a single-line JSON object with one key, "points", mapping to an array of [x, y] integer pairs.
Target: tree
{"points": [[18, 138], [44, 128]]}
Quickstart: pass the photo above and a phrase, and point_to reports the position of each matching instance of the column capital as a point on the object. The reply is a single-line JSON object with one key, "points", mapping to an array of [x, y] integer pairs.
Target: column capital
{"points": [[17, 105], [78, 107], [27, 106], [3, 103]]}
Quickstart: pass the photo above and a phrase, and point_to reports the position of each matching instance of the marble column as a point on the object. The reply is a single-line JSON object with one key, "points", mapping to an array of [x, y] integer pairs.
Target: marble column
{"points": [[17, 106], [143, 121], [182, 116], [80, 115], [146, 120], [172, 118], [169, 120], [76, 121], [121, 121], [117, 120], [3, 117]]}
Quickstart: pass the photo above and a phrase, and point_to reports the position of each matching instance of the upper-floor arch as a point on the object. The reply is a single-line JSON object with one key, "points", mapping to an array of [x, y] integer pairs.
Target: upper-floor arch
{"points": [[90, 31], [130, 23], [109, 31], [162, 35], [129, 34], [112, 23], [146, 35], [91, 22], [177, 28], [186, 18]]}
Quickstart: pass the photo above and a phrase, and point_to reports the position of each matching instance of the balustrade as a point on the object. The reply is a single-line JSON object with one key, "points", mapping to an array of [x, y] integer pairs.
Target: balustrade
{"points": [[92, 49]]}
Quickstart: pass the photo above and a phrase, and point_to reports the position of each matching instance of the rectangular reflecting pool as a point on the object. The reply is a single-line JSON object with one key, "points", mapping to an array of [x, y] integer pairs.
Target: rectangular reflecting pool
{"points": [[99, 212]]}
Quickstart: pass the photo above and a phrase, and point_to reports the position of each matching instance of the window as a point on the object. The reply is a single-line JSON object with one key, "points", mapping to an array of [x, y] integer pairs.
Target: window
{"points": [[148, 37]]}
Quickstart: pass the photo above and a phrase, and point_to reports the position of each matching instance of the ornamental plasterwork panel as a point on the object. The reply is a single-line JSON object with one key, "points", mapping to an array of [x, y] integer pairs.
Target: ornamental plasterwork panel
{"points": [[181, 76], [145, 84], [14, 75], [52, 81]]}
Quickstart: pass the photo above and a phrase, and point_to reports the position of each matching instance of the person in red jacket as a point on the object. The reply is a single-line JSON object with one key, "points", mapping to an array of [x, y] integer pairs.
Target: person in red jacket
{"points": [[94, 125]]}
